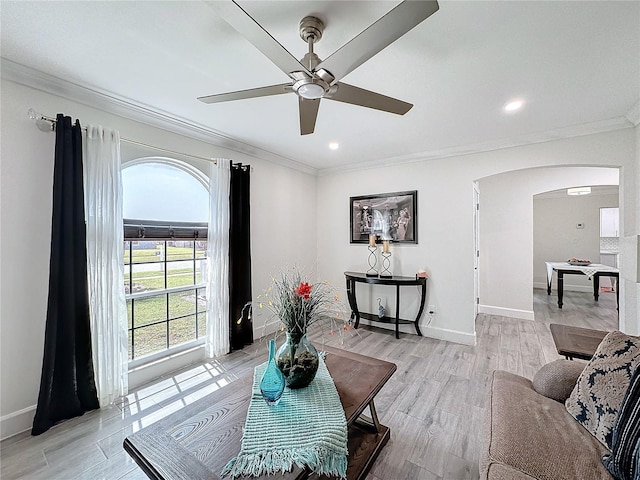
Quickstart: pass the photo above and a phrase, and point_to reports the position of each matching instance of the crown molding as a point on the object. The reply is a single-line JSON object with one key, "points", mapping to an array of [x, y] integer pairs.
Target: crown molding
{"points": [[633, 115], [602, 126], [125, 107]]}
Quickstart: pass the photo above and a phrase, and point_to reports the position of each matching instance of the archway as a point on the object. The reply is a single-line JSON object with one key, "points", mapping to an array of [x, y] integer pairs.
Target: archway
{"points": [[506, 231]]}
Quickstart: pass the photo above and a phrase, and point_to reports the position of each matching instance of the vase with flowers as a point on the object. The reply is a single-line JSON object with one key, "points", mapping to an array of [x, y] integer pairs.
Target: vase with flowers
{"points": [[299, 304]]}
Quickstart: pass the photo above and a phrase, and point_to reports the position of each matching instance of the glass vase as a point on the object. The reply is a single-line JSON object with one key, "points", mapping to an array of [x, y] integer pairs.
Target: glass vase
{"points": [[272, 383], [298, 361]]}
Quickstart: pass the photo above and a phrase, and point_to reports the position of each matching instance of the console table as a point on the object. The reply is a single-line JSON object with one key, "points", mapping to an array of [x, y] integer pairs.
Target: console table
{"points": [[356, 277]]}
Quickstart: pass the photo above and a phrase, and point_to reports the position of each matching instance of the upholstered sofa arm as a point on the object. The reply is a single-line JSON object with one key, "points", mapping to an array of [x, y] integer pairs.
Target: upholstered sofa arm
{"points": [[556, 380]]}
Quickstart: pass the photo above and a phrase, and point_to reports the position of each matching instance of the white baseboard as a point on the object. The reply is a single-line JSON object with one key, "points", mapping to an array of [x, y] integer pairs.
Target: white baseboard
{"points": [[567, 287], [506, 312], [454, 336], [17, 422]]}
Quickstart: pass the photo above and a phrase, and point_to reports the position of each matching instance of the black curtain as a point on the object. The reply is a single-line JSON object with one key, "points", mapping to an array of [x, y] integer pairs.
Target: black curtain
{"points": [[67, 385], [240, 324]]}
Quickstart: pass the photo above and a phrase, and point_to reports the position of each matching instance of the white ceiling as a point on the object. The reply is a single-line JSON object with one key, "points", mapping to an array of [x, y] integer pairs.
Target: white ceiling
{"points": [[575, 63]]}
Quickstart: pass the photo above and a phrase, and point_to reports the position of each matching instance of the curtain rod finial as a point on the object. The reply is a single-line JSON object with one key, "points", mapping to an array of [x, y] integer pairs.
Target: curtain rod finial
{"points": [[43, 123]]}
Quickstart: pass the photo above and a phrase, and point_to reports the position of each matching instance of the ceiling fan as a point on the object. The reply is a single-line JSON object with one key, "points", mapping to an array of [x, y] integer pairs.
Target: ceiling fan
{"points": [[313, 79]]}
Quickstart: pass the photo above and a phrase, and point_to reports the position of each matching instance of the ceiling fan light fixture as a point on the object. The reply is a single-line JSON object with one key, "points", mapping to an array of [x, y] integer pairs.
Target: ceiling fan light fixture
{"points": [[311, 91]]}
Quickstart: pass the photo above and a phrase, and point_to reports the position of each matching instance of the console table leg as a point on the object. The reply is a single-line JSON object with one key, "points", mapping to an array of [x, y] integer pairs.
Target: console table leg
{"points": [[596, 286], [423, 296], [397, 311], [560, 288], [351, 297]]}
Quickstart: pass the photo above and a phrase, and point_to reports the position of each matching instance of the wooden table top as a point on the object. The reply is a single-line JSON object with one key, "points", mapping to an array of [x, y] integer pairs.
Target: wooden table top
{"points": [[197, 441], [576, 342]]}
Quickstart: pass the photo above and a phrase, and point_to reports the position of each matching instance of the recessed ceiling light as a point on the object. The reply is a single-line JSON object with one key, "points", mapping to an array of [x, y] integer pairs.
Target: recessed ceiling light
{"points": [[579, 191], [334, 145], [513, 105]]}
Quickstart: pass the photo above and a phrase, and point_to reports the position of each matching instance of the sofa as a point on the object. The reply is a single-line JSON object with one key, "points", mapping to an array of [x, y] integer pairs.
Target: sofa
{"points": [[573, 421], [530, 435]]}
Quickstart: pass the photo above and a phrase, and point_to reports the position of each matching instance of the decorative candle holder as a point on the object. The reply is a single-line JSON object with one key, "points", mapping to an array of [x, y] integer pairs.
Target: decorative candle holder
{"points": [[372, 260], [386, 265]]}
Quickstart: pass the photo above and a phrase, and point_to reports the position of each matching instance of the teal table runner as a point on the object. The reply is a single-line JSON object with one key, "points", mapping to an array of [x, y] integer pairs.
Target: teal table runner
{"points": [[307, 428]]}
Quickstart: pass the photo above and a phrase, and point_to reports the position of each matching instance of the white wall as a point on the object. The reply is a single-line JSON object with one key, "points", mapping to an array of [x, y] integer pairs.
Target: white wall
{"points": [[283, 227], [630, 249], [556, 238], [445, 216], [506, 232]]}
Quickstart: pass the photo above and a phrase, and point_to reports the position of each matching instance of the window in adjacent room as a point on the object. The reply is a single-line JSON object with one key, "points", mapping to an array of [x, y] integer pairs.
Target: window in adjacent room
{"points": [[165, 205]]}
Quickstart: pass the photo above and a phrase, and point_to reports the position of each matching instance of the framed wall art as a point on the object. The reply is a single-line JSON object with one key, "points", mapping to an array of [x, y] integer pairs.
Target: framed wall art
{"points": [[388, 216]]}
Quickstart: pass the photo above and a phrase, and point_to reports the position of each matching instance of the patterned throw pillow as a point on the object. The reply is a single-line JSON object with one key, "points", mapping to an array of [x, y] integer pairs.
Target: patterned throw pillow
{"points": [[599, 391], [623, 462]]}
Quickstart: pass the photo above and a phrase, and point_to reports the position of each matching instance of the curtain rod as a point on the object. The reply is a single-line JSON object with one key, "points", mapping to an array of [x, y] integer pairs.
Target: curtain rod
{"points": [[48, 124]]}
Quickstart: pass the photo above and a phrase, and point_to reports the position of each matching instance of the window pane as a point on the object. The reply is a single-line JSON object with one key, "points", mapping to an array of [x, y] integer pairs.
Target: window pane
{"points": [[202, 324], [201, 270], [201, 249], [150, 339], [150, 310], [182, 330], [179, 250], [148, 277], [182, 303], [157, 191], [202, 311], [129, 313], [145, 251], [130, 349], [180, 274], [127, 248]]}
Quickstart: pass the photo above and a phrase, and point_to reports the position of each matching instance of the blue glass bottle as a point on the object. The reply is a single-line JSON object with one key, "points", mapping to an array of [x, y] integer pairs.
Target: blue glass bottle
{"points": [[272, 383]]}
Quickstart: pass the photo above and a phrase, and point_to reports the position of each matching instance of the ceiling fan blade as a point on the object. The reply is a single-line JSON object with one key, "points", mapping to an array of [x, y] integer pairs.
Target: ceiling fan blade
{"points": [[244, 23], [250, 93], [376, 37], [365, 98], [308, 114]]}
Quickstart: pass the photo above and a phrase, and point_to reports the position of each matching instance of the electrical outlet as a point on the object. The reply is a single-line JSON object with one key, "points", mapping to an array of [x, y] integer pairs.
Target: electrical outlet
{"points": [[431, 309]]}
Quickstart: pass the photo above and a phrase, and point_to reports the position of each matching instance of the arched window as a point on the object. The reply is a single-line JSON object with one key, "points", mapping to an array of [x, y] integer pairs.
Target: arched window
{"points": [[165, 207]]}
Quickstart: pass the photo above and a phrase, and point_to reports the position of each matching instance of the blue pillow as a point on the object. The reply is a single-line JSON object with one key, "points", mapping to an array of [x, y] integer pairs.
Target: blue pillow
{"points": [[624, 460]]}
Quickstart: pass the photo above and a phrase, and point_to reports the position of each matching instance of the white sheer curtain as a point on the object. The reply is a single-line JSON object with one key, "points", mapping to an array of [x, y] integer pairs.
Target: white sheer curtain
{"points": [[217, 340], [105, 240]]}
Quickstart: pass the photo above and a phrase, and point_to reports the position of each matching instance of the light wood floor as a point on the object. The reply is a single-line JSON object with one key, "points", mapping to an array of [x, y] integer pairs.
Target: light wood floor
{"points": [[433, 403]]}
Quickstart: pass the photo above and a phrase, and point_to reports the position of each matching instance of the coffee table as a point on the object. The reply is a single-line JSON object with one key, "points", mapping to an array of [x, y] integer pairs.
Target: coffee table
{"points": [[576, 342], [197, 441]]}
